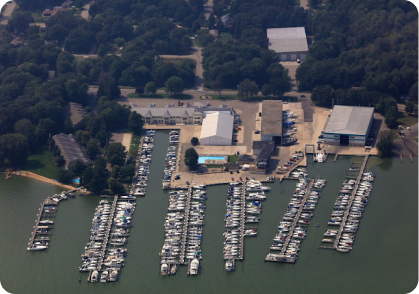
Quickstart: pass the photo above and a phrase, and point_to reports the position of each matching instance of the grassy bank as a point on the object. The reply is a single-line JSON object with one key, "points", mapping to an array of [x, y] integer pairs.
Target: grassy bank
{"points": [[135, 145], [233, 158], [160, 96], [42, 163]]}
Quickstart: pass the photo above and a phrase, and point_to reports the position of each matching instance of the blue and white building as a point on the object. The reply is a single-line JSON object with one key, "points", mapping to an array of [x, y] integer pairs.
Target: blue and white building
{"points": [[348, 125]]}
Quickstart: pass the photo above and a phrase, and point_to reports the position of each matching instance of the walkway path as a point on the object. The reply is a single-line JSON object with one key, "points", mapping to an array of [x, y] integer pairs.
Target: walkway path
{"points": [[85, 12]]}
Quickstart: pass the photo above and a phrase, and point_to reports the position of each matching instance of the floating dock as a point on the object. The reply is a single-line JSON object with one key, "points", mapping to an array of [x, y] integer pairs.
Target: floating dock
{"points": [[185, 228], [242, 221], [297, 217], [351, 199], [45, 202], [106, 239]]}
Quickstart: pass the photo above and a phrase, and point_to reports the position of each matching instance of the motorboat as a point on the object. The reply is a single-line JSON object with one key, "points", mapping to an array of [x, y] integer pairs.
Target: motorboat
{"points": [[37, 247], [164, 269], [173, 270], [93, 277], [230, 265], [104, 276], [194, 267]]}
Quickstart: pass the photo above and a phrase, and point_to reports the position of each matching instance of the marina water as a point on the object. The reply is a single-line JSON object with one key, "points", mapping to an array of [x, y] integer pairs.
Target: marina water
{"points": [[383, 259]]}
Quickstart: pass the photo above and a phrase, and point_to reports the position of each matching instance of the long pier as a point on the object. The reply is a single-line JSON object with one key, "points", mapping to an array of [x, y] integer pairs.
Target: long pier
{"points": [[106, 239], [291, 231], [242, 221], [351, 199], [185, 227], [46, 201]]}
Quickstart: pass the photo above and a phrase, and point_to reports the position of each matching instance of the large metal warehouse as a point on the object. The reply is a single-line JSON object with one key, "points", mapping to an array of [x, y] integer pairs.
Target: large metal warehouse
{"points": [[217, 129], [348, 125], [271, 124], [289, 43]]}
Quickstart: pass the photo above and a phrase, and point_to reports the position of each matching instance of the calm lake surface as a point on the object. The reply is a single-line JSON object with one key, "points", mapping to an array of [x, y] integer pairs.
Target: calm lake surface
{"points": [[384, 258]]}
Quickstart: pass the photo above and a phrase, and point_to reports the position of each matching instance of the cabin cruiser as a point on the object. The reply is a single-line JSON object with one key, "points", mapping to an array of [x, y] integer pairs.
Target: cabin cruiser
{"points": [[194, 267], [164, 269], [104, 276], [230, 265], [94, 276]]}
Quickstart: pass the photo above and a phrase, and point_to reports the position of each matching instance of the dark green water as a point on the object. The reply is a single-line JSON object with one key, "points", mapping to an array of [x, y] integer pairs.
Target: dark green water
{"points": [[384, 258]]}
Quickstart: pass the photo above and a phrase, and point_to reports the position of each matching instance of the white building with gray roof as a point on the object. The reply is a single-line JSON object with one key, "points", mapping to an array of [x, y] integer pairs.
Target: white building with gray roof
{"points": [[348, 125], [217, 129], [289, 43]]}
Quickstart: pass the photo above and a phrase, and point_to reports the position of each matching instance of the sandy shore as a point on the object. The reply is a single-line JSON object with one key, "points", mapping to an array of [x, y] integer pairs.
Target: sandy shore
{"points": [[44, 179]]}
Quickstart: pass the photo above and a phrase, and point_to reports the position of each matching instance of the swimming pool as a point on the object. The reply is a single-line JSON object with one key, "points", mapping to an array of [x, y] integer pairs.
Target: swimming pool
{"points": [[76, 180], [202, 159]]}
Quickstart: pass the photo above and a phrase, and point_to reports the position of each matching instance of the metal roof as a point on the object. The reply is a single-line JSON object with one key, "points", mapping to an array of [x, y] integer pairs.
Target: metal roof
{"points": [[271, 117], [349, 120], [287, 39], [218, 124], [165, 111]]}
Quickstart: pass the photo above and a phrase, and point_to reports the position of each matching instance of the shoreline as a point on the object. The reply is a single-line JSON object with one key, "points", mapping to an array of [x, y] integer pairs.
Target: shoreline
{"points": [[43, 179]]}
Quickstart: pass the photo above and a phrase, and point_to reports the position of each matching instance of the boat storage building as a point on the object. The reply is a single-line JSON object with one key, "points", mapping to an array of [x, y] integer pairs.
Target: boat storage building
{"points": [[348, 125], [289, 43], [217, 129], [271, 121]]}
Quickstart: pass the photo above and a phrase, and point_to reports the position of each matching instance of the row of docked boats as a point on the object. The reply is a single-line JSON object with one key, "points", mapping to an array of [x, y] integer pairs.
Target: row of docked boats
{"points": [[110, 230], [171, 159], [347, 211], [39, 239], [293, 226], [141, 177]]}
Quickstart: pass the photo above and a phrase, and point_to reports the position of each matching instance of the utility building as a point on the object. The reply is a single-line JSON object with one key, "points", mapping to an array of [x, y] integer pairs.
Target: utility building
{"points": [[289, 43], [217, 129], [271, 121], [348, 125]]}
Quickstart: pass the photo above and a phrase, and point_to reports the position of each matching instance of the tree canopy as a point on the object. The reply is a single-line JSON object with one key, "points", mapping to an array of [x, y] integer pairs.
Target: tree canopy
{"points": [[191, 159]]}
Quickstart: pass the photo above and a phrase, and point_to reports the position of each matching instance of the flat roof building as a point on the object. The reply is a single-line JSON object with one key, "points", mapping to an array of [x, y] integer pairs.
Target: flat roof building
{"points": [[70, 150], [271, 120], [289, 43], [217, 129], [76, 113], [348, 125]]}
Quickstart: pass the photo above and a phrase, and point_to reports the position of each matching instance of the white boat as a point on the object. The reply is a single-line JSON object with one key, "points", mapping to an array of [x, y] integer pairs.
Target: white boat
{"points": [[94, 276], [173, 270], [36, 247], [113, 276], [164, 269], [194, 267], [104, 276], [230, 265]]}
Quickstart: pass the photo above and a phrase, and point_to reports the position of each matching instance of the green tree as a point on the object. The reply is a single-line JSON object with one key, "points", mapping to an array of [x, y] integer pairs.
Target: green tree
{"points": [[107, 86], [247, 88], [78, 168], [150, 88], [194, 141], [191, 159], [20, 21], [174, 85], [102, 50], [266, 91], [135, 122], [115, 154], [95, 178], [116, 172], [115, 186], [64, 176], [26, 128], [127, 172], [413, 92], [385, 144], [14, 148], [217, 85], [91, 149], [322, 96], [410, 106]]}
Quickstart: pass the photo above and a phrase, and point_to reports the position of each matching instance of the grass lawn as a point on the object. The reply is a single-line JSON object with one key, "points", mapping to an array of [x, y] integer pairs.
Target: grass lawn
{"points": [[160, 96], [224, 97], [135, 145], [407, 120], [42, 163], [233, 158]]}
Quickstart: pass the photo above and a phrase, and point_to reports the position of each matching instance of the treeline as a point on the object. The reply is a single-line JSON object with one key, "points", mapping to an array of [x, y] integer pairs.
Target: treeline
{"points": [[247, 57], [226, 65], [363, 53]]}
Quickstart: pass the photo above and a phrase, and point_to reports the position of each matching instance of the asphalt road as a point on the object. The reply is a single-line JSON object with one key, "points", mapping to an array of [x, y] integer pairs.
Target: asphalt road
{"points": [[7, 12]]}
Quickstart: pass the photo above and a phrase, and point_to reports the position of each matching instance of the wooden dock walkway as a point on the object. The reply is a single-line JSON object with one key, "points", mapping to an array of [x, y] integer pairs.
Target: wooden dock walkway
{"points": [[185, 228], [45, 202], [242, 221], [291, 231], [336, 157], [106, 239], [351, 199]]}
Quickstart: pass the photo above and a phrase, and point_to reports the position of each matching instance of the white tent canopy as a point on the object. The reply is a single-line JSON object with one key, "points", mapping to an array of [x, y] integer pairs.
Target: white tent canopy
{"points": [[217, 129]]}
